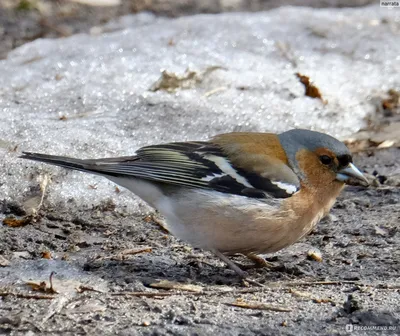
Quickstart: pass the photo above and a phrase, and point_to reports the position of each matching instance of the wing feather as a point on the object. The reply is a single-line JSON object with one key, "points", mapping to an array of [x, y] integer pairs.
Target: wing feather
{"points": [[191, 164]]}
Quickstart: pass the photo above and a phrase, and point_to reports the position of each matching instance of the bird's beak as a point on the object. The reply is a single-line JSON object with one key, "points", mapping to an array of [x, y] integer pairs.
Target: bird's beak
{"points": [[351, 175]]}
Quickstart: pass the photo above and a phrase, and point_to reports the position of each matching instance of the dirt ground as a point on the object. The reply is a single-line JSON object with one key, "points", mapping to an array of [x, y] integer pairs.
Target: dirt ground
{"points": [[106, 263]]}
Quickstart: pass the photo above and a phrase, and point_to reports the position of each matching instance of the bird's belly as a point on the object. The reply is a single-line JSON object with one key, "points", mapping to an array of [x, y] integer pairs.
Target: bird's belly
{"points": [[224, 222], [228, 223]]}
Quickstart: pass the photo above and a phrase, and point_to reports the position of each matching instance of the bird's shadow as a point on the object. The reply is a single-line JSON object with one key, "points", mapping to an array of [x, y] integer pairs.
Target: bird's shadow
{"points": [[149, 269]]}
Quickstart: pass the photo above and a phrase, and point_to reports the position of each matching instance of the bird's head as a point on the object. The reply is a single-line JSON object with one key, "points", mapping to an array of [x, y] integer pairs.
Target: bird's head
{"points": [[320, 158]]}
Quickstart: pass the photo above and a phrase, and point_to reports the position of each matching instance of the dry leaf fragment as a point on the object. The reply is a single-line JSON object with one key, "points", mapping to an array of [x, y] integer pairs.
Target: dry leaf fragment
{"points": [[387, 134], [258, 305], [386, 144], [383, 130], [165, 284], [300, 294], [309, 296], [14, 222], [311, 90], [368, 140], [314, 255], [171, 82], [46, 255], [4, 262], [153, 219], [42, 286], [35, 203], [392, 102], [356, 145], [322, 300]]}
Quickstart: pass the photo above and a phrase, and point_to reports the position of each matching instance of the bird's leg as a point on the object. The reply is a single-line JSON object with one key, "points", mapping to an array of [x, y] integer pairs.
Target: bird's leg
{"points": [[259, 262], [231, 264], [244, 275]]}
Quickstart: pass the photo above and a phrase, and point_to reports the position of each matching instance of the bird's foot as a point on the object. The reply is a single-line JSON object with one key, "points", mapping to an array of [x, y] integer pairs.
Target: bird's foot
{"points": [[259, 262]]}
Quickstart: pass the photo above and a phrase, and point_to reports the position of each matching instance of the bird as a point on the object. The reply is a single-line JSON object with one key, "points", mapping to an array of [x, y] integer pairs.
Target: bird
{"points": [[237, 193]]}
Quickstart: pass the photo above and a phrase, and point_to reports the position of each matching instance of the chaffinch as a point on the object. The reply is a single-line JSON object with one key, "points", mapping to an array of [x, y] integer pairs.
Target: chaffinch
{"points": [[246, 193]]}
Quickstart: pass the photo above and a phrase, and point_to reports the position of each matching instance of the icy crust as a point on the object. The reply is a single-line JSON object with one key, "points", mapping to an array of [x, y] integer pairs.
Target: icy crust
{"points": [[88, 96]]}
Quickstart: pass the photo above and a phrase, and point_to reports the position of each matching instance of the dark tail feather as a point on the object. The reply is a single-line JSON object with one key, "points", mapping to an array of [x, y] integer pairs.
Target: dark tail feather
{"points": [[61, 161]]}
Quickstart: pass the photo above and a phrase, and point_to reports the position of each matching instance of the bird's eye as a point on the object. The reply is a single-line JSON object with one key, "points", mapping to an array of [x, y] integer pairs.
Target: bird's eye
{"points": [[325, 159]]}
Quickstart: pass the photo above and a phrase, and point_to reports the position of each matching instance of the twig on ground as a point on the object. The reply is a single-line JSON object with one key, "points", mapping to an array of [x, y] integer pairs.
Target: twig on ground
{"points": [[154, 294], [211, 293], [214, 91], [258, 306], [255, 289], [28, 296]]}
